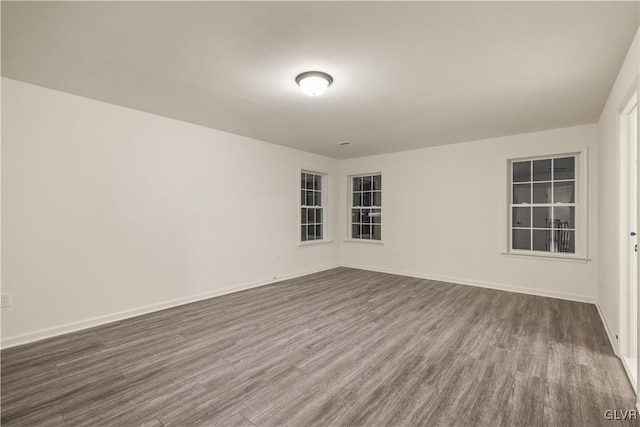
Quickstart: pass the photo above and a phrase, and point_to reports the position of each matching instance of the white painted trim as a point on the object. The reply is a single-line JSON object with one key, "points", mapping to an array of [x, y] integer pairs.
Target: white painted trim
{"points": [[480, 284], [326, 205], [631, 92], [364, 241], [126, 314], [315, 242], [350, 207], [612, 341], [101, 320], [581, 179], [555, 256], [627, 371], [624, 215]]}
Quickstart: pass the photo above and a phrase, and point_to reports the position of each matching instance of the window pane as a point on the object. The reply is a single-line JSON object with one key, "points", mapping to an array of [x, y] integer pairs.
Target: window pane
{"points": [[542, 192], [376, 216], [367, 183], [550, 182], [319, 232], [311, 232], [377, 198], [303, 180], [303, 199], [303, 219], [367, 198], [542, 240], [376, 232], [355, 215], [521, 239], [317, 201], [319, 216], [522, 217], [309, 198], [521, 171], [366, 193], [365, 215], [564, 168], [317, 182], [542, 170], [309, 181], [357, 183], [357, 199], [563, 192], [310, 216], [303, 233], [521, 193], [377, 182], [564, 217], [565, 241], [541, 218]]}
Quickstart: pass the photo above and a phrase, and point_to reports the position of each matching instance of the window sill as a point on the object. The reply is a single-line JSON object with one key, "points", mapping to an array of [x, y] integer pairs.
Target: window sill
{"points": [[314, 243], [555, 256], [364, 241]]}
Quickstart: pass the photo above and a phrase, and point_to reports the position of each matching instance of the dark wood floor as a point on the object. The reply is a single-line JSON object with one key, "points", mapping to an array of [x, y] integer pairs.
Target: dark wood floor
{"points": [[342, 347]]}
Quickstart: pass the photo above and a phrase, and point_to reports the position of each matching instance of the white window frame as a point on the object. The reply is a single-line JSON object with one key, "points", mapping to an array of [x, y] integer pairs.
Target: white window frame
{"points": [[323, 205], [351, 206], [580, 203]]}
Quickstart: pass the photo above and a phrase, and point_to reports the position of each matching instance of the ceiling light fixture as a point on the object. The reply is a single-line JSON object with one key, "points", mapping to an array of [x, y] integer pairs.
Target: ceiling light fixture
{"points": [[314, 83]]}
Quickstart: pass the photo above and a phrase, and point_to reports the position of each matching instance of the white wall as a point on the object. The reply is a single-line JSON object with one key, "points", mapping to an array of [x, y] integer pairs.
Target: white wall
{"points": [[609, 190], [109, 212], [444, 215]]}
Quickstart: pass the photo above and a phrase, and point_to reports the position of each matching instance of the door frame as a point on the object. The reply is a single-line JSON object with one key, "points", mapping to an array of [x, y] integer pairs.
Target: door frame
{"points": [[627, 105]]}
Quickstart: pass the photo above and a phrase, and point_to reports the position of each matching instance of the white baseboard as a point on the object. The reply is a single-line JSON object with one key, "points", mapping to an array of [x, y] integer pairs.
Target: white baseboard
{"points": [[101, 320], [126, 314], [627, 370], [612, 341], [477, 283], [614, 345]]}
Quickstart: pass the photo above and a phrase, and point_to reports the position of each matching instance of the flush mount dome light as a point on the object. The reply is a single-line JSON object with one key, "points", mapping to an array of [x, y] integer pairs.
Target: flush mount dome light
{"points": [[314, 83]]}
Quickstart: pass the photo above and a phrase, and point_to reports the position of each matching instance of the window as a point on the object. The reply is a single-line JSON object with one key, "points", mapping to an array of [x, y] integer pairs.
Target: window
{"points": [[544, 204], [366, 207], [311, 206]]}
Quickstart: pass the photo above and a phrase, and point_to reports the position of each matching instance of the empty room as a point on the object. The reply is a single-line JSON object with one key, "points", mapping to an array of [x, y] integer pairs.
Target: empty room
{"points": [[319, 213]]}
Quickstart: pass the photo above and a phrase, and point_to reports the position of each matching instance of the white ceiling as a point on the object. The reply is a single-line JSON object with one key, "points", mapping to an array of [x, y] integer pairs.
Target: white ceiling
{"points": [[406, 74]]}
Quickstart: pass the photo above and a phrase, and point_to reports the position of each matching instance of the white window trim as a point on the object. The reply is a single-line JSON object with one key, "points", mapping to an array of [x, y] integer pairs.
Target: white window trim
{"points": [[582, 203], [315, 242], [363, 241], [325, 209], [348, 238]]}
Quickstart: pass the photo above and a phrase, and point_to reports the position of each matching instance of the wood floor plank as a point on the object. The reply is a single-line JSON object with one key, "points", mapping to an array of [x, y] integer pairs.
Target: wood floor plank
{"points": [[344, 347]]}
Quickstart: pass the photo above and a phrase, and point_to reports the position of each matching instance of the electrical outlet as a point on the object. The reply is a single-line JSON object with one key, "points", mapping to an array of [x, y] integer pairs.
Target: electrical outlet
{"points": [[5, 300]]}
